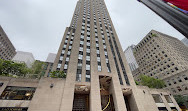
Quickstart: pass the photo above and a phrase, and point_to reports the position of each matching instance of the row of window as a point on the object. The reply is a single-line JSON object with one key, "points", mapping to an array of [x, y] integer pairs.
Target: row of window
{"points": [[88, 51], [99, 67], [76, 16], [157, 98], [114, 40], [112, 49], [65, 46], [104, 45], [81, 48], [179, 88], [144, 41], [175, 81]]}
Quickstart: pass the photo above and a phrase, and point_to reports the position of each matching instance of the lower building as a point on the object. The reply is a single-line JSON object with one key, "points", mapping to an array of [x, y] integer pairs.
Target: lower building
{"points": [[51, 57], [47, 94], [24, 57], [163, 57]]}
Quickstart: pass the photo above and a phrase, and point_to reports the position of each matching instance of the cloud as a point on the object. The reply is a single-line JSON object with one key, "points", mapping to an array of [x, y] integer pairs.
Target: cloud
{"points": [[133, 20], [38, 26]]}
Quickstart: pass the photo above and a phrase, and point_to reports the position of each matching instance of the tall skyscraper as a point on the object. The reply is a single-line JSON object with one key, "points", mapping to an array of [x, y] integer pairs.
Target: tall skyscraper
{"points": [[92, 57], [130, 58], [185, 41], [90, 52], [7, 50], [174, 16], [164, 57]]}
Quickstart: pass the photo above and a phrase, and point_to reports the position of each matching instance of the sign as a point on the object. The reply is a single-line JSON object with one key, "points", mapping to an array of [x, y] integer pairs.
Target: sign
{"points": [[12, 109]]}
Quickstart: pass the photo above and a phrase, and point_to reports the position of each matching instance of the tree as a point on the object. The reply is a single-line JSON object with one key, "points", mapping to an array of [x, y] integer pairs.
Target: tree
{"points": [[37, 67], [57, 74], [10, 68], [181, 99], [1, 66], [151, 82]]}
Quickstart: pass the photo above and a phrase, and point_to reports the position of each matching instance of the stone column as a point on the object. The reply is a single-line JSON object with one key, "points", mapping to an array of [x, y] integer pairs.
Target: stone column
{"points": [[117, 94], [95, 98]]}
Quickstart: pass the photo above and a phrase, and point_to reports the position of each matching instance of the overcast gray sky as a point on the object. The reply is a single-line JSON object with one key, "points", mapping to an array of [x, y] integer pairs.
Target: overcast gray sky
{"points": [[37, 26]]}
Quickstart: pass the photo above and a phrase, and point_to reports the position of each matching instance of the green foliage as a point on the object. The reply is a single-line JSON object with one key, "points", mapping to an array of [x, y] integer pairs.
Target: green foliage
{"points": [[181, 99], [12, 69], [57, 74], [137, 83], [151, 82], [37, 67], [154, 35]]}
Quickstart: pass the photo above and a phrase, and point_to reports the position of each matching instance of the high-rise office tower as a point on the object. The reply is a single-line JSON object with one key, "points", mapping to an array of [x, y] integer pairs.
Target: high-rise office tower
{"points": [[7, 50], [164, 57], [174, 16], [90, 54], [130, 58], [92, 57]]}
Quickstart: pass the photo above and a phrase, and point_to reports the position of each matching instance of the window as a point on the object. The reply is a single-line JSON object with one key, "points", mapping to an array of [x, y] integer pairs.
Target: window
{"points": [[88, 58], [185, 77], [18, 93], [81, 49], [174, 81], [88, 62], [162, 109], [1, 84], [82, 42], [173, 90], [65, 66], [179, 79], [87, 67], [168, 99], [157, 98], [80, 56], [59, 66], [184, 87], [79, 71], [88, 50], [176, 68], [67, 58], [168, 82], [179, 89]]}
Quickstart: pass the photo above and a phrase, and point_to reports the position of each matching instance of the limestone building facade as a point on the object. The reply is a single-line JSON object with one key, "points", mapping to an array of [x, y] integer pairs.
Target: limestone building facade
{"points": [[46, 94], [7, 50], [163, 57]]}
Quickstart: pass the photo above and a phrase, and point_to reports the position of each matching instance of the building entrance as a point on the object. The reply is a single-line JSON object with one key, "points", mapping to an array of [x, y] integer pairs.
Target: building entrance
{"points": [[81, 102]]}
